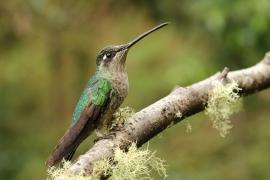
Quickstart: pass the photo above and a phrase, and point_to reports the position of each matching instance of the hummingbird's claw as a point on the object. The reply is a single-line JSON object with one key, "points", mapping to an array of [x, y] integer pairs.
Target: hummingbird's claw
{"points": [[106, 136]]}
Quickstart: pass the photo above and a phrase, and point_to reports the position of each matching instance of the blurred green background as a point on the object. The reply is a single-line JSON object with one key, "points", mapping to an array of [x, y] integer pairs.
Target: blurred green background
{"points": [[47, 54]]}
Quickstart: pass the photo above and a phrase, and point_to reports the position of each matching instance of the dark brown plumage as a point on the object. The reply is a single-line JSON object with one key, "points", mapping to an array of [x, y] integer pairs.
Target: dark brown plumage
{"points": [[75, 135]]}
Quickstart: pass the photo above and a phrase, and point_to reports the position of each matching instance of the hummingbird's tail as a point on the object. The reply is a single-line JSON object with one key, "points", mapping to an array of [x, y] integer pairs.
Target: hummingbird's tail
{"points": [[70, 155], [75, 135]]}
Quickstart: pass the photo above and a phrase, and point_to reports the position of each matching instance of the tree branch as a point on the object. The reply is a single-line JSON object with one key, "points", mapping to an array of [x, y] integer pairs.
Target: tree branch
{"points": [[153, 119]]}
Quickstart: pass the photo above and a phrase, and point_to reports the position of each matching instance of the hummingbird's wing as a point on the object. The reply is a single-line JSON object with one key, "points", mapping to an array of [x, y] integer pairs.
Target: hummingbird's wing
{"points": [[90, 106]]}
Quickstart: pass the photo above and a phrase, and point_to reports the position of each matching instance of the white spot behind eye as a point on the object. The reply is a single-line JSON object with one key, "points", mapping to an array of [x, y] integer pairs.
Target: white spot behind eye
{"points": [[104, 57]]}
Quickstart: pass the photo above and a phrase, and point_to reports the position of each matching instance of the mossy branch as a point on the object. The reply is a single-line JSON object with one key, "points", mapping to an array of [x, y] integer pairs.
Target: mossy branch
{"points": [[150, 121]]}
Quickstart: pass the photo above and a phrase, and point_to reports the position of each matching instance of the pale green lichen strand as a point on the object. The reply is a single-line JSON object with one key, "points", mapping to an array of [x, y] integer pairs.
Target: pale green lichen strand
{"points": [[224, 100], [59, 173], [136, 164], [130, 165], [101, 168], [188, 127], [120, 117], [178, 115]]}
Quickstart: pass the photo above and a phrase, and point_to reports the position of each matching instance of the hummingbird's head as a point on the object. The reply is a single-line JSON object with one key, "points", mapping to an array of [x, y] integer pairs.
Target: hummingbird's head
{"points": [[112, 59]]}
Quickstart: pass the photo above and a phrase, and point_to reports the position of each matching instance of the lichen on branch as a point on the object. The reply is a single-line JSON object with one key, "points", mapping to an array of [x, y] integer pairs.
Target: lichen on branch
{"points": [[224, 100], [133, 164], [136, 164], [61, 173], [155, 118], [120, 117]]}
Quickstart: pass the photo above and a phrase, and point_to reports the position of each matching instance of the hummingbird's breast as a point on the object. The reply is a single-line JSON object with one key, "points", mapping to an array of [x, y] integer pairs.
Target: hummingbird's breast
{"points": [[120, 85], [118, 93], [119, 90]]}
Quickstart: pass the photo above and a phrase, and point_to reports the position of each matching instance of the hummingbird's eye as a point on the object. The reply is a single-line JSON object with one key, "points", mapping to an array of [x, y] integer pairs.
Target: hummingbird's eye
{"points": [[108, 56]]}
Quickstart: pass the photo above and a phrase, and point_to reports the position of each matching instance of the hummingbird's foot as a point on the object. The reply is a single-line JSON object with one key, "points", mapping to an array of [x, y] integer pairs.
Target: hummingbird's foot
{"points": [[101, 136]]}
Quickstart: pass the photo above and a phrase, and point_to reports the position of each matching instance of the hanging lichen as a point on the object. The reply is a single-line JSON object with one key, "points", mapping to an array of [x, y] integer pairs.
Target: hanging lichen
{"points": [[224, 100]]}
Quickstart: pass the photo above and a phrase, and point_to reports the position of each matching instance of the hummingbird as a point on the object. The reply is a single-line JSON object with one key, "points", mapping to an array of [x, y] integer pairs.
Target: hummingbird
{"points": [[102, 96]]}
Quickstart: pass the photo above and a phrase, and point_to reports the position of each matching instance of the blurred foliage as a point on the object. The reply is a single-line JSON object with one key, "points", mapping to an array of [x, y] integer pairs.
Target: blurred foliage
{"points": [[47, 53]]}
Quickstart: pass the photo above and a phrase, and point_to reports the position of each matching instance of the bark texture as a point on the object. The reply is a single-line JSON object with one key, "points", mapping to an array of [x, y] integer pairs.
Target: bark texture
{"points": [[153, 119]]}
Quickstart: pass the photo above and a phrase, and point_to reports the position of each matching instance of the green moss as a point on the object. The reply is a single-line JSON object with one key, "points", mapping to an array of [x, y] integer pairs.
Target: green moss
{"points": [[223, 101], [130, 165], [62, 173], [120, 117], [136, 164], [101, 168]]}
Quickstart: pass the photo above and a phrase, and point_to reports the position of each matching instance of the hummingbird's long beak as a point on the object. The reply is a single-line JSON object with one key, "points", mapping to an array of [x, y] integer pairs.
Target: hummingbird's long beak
{"points": [[137, 39]]}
